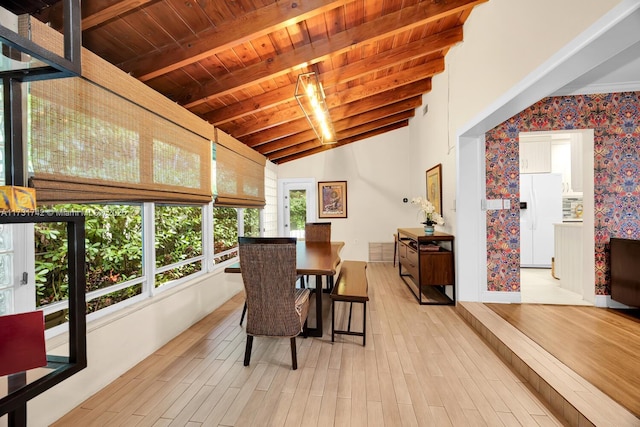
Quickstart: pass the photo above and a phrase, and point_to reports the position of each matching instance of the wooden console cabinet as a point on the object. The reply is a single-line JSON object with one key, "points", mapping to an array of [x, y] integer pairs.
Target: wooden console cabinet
{"points": [[427, 265]]}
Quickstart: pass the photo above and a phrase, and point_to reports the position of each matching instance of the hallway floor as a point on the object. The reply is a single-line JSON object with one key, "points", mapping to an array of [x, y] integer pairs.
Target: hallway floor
{"points": [[539, 287]]}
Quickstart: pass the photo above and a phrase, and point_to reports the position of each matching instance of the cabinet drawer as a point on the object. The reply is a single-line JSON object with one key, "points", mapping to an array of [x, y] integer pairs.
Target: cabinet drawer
{"points": [[412, 256], [412, 269], [436, 268], [409, 260], [402, 253]]}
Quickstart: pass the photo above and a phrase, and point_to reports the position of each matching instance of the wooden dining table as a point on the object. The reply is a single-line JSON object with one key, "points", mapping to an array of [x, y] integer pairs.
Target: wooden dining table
{"points": [[319, 259]]}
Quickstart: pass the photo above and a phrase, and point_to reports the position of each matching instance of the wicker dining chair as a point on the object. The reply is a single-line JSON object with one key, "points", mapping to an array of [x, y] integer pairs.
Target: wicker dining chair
{"points": [[275, 307], [316, 232]]}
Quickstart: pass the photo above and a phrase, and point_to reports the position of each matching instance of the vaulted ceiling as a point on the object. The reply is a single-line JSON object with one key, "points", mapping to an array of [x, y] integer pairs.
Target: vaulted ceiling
{"points": [[235, 62]]}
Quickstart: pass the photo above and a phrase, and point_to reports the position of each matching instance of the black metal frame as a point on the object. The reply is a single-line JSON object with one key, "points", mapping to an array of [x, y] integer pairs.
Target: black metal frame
{"points": [[14, 148], [15, 403], [20, 392], [57, 66]]}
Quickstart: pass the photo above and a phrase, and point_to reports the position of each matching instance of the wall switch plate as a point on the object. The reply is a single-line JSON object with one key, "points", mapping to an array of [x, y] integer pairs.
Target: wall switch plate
{"points": [[494, 204]]}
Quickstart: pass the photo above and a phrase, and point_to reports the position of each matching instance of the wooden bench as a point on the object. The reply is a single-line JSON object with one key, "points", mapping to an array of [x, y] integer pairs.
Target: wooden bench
{"points": [[351, 286]]}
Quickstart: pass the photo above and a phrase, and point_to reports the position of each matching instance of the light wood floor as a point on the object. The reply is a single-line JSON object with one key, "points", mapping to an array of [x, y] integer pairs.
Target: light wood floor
{"points": [[423, 365], [601, 345]]}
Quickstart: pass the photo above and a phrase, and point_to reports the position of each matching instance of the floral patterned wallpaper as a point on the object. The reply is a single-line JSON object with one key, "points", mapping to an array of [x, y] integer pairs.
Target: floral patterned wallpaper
{"points": [[615, 118]]}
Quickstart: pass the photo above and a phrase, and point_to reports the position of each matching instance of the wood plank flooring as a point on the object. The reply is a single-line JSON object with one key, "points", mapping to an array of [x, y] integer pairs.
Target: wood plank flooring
{"points": [[601, 345], [422, 366]]}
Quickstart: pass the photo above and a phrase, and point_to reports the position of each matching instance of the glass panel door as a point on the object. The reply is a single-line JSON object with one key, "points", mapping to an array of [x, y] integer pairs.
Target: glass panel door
{"points": [[297, 206], [17, 274], [6, 266], [297, 209]]}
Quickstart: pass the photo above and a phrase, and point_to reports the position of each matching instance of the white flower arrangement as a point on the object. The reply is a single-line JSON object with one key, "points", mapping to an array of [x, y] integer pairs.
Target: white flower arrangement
{"points": [[427, 211]]}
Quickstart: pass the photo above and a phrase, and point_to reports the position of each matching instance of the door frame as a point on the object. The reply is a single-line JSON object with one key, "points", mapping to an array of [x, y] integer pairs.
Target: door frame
{"points": [[308, 184]]}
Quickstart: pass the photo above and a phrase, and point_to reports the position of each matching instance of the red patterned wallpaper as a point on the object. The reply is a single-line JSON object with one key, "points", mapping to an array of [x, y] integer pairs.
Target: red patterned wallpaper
{"points": [[615, 119]]}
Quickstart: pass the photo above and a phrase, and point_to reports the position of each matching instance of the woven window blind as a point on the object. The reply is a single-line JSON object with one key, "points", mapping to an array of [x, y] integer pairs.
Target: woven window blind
{"points": [[239, 173], [90, 145]]}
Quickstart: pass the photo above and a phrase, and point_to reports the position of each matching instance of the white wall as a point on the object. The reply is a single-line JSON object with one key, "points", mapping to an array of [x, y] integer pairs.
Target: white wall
{"points": [[378, 175], [117, 342]]}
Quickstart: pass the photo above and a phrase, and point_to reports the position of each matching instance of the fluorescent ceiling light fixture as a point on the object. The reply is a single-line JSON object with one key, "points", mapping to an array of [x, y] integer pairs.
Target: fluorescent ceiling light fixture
{"points": [[310, 97]]}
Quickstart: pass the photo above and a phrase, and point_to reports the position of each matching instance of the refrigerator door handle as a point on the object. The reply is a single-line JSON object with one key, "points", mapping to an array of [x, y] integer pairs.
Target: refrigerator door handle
{"points": [[534, 208]]}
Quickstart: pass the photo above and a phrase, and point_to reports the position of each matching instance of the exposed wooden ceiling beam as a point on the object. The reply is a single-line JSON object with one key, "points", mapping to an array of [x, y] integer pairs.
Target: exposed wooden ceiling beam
{"points": [[278, 138], [341, 126], [53, 15], [358, 107], [387, 83], [343, 135], [277, 65], [116, 9], [254, 24], [395, 56], [346, 142], [334, 101]]}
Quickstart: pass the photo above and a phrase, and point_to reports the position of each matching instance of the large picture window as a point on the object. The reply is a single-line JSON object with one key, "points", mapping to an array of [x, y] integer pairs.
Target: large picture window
{"points": [[114, 258], [250, 222], [178, 241], [225, 234]]}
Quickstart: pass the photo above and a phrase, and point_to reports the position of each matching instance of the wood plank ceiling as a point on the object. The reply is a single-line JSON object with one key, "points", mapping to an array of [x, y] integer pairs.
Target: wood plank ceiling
{"points": [[235, 62]]}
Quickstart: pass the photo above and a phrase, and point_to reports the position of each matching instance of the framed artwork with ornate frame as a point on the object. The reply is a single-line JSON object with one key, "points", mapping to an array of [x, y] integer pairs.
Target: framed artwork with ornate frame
{"points": [[434, 187], [332, 199]]}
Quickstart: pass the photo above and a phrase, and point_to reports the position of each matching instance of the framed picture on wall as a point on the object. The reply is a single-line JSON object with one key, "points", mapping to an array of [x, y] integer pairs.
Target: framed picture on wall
{"points": [[434, 187], [332, 199]]}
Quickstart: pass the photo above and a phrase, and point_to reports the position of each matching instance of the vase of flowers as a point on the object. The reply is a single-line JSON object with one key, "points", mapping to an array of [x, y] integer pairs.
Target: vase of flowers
{"points": [[428, 215]]}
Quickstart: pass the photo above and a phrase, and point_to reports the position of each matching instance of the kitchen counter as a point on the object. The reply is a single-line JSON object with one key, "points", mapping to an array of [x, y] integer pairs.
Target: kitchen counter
{"points": [[568, 255]]}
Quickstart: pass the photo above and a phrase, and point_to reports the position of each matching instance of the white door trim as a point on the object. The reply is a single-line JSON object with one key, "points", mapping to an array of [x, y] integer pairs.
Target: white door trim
{"points": [[308, 184]]}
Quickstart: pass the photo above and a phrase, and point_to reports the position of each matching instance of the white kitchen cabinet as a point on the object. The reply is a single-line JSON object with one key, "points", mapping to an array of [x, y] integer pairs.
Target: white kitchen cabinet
{"points": [[561, 163], [535, 155], [576, 163], [568, 256]]}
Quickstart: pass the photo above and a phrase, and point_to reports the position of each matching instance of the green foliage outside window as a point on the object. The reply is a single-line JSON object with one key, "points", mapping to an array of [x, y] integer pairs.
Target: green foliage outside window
{"points": [[113, 242], [178, 237], [297, 209], [114, 249], [225, 231], [251, 218]]}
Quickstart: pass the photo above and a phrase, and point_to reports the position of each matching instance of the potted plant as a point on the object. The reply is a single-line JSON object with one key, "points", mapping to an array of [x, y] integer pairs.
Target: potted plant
{"points": [[428, 215]]}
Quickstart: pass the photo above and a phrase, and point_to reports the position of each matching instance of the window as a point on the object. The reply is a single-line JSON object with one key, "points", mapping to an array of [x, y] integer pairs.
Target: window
{"points": [[113, 238], [225, 234], [228, 224], [178, 242], [250, 222]]}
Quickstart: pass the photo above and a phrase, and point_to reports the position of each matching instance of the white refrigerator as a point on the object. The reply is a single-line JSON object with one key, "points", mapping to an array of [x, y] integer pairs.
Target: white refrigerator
{"points": [[540, 208]]}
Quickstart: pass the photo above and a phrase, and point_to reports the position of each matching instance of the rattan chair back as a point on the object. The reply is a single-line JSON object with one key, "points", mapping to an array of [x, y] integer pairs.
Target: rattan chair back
{"points": [[317, 231], [268, 268]]}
